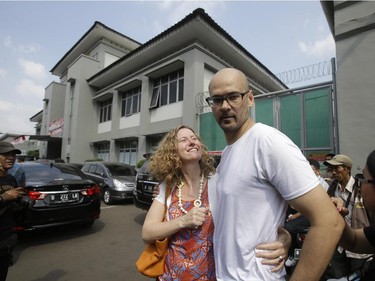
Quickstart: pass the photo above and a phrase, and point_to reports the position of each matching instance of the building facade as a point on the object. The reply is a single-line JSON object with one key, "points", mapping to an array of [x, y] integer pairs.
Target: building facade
{"points": [[116, 97], [352, 24]]}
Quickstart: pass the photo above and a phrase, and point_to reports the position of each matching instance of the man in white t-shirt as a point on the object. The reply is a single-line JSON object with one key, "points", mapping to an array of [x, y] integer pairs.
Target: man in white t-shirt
{"points": [[260, 171]]}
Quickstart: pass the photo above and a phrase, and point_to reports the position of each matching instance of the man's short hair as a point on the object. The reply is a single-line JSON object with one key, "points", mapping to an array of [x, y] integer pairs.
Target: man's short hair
{"points": [[314, 163]]}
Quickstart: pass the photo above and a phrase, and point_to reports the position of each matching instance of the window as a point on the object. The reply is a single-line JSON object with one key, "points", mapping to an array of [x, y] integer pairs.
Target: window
{"points": [[168, 89], [105, 111], [103, 151], [128, 152], [131, 102]]}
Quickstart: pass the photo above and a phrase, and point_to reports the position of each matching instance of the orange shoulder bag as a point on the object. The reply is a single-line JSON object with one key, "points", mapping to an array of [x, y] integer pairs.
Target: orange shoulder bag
{"points": [[151, 261]]}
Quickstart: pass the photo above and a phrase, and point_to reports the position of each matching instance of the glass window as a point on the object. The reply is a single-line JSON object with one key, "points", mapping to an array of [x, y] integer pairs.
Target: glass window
{"points": [[103, 151], [99, 170], [120, 170], [164, 95], [128, 152], [92, 169], [51, 172], [168, 89], [155, 97], [173, 92], [131, 102], [105, 111]]}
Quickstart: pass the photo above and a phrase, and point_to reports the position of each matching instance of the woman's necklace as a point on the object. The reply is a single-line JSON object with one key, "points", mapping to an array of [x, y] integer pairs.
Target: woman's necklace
{"points": [[197, 202]]}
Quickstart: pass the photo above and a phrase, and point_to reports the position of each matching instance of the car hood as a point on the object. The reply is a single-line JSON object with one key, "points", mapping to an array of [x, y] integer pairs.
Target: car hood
{"points": [[126, 179]]}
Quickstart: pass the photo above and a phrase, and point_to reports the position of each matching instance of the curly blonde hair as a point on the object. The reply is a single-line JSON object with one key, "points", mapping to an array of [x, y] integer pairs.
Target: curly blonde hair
{"points": [[166, 164]]}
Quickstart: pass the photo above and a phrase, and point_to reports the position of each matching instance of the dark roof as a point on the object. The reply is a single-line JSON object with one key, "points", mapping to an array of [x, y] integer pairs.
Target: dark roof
{"points": [[92, 36], [198, 13]]}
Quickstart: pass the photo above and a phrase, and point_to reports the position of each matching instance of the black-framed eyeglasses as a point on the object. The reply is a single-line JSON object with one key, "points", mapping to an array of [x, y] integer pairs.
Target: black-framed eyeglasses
{"points": [[232, 98], [360, 179]]}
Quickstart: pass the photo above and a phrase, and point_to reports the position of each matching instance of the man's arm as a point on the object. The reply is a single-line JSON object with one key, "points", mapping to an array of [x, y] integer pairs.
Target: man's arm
{"points": [[323, 236]]}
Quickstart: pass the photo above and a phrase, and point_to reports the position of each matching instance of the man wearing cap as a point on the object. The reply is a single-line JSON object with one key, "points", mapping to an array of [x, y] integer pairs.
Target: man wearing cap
{"points": [[343, 262], [9, 192]]}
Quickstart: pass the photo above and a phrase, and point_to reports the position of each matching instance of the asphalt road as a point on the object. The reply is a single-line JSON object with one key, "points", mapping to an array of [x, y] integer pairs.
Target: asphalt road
{"points": [[106, 251]]}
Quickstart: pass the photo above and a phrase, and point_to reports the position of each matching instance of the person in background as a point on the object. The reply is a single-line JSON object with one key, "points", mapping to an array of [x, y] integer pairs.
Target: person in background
{"points": [[9, 193], [182, 165], [296, 223], [361, 240], [18, 172], [328, 176], [343, 262], [316, 168], [260, 172]]}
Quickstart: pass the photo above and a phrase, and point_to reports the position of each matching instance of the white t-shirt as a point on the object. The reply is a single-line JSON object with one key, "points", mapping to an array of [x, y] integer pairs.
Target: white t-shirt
{"points": [[247, 196], [323, 183]]}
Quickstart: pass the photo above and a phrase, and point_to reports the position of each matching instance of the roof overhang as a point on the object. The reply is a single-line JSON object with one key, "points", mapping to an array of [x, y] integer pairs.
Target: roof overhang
{"points": [[199, 28], [96, 33]]}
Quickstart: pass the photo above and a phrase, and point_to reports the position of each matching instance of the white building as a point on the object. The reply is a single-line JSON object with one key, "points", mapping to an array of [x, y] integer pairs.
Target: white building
{"points": [[117, 98]]}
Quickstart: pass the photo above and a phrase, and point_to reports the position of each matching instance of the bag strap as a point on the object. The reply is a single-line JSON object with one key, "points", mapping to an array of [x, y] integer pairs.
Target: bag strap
{"points": [[348, 200]]}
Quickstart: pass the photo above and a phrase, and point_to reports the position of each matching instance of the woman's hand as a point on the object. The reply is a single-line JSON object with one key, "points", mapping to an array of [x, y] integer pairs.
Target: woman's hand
{"points": [[194, 218], [275, 253]]}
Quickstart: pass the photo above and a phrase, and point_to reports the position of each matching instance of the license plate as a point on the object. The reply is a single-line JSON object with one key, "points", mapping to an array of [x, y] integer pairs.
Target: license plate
{"points": [[64, 198], [148, 188]]}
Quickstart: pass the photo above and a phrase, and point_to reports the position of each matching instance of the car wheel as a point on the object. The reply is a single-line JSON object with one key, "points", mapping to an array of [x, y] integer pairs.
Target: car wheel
{"points": [[107, 197]]}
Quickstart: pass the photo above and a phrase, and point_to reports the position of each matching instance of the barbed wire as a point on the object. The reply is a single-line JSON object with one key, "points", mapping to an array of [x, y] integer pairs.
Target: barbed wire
{"points": [[305, 73], [200, 99]]}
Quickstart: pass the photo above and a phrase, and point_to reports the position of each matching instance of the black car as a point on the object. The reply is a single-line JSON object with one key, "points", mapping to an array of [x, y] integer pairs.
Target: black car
{"points": [[116, 180], [57, 194], [144, 187]]}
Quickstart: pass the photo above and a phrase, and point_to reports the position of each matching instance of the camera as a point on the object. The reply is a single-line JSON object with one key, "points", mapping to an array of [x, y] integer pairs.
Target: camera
{"points": [[26, 202]]}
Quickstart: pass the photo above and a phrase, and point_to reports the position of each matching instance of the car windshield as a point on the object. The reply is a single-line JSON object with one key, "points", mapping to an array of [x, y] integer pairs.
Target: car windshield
{"points": [[119, 170], [48, 173]]}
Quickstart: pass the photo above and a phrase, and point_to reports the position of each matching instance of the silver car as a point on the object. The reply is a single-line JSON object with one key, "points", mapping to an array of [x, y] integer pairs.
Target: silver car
{"points": [[116, 180]]}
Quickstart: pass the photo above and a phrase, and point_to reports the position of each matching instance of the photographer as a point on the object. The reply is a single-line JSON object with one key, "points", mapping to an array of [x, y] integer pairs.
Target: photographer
{"points": [[9, 193]]}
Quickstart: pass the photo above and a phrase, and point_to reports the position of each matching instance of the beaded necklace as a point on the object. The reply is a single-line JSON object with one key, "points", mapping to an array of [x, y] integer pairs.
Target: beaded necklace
{"points": [[197, 202]]}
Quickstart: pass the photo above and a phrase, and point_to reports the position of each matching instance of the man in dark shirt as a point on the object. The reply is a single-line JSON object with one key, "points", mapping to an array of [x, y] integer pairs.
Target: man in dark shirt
{"points": [[9, 192]]}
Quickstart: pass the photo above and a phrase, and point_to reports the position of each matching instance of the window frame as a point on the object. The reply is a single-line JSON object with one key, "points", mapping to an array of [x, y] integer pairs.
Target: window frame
{"points": [[131, 101], [167, 89], [105, 111]]}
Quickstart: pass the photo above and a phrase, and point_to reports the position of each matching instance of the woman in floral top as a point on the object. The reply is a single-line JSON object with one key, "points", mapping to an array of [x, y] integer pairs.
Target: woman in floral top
{"points": [[182, 163]]}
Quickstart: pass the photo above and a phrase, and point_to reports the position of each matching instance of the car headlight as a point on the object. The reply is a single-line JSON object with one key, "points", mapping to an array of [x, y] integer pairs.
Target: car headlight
{"points": [[119, 184]]}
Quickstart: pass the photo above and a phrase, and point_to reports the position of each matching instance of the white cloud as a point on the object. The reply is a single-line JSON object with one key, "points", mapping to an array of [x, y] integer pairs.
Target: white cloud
{"points": [[320, 49], [5, 106], [29, 48], [3, 72], [33, 69], [15, 117], [28, 88]]}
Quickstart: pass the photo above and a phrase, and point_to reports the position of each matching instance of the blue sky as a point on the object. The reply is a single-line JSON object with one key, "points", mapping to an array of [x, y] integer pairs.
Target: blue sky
{"points": [[34, 36]]}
